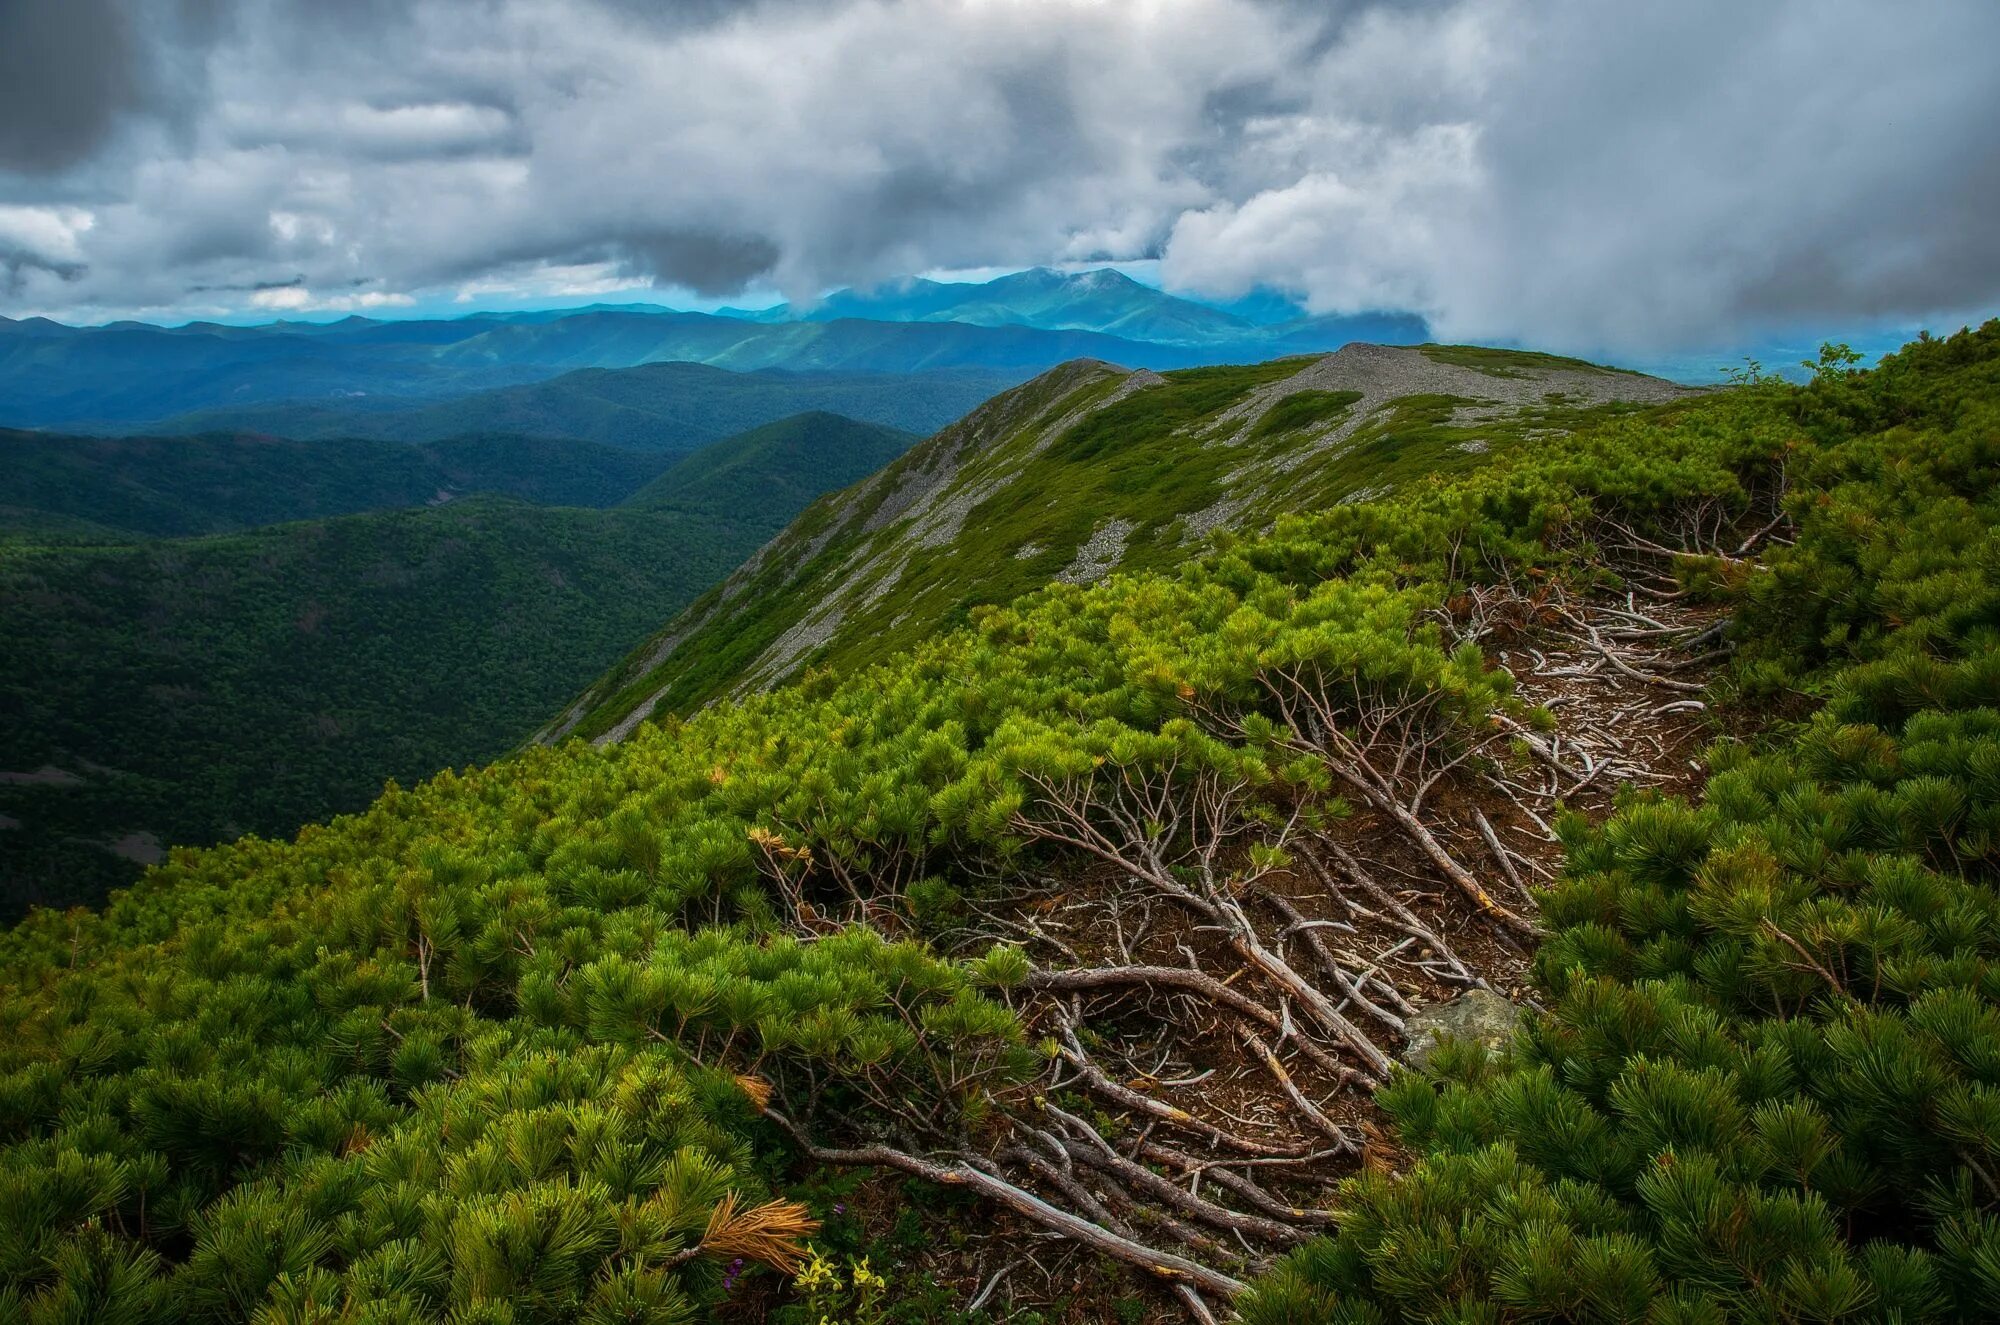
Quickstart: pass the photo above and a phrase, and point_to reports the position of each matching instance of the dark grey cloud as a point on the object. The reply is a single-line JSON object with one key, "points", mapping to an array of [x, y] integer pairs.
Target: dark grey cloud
{"points": [[708, 264], [17, 264], [68, 71], [1558, 171], [74, 73]]}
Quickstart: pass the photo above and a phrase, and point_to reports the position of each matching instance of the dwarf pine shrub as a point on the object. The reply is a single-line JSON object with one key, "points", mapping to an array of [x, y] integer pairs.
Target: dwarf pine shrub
{"points": [[1767, 1085]]}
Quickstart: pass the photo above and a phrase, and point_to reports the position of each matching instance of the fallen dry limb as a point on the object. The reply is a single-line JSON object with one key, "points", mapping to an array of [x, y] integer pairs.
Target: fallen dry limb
{"points": [[1222, 1172], [1292, 1092], [1161, 1264], [1232, 966], [1361, 990], [1094, 1077], [1174, 977], [1087, 1147], [1394, 913], [1172, 837], [1391, 753]]}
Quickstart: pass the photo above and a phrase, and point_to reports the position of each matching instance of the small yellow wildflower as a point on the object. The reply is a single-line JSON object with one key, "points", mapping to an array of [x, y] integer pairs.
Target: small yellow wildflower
{"points": [[865, 1278], [817, 1273]]}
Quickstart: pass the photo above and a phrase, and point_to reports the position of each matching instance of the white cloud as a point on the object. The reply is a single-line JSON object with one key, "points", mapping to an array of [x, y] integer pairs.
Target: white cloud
{"points": [[1569, 173], [1358, 232], [52, 235], [544, 280], [386, 133], [298, 299], [1642, 180]]}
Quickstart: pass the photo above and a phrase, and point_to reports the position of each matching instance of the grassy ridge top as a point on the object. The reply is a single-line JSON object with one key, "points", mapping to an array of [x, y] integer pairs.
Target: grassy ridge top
{"points": [[1087, 469]]}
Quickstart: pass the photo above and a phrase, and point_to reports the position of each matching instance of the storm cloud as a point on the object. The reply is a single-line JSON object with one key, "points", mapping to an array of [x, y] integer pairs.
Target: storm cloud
{"points": [[1565, 173]]}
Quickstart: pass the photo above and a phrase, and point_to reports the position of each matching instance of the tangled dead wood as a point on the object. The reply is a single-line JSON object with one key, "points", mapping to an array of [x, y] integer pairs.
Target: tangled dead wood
{"points": [[1221, 1014]]}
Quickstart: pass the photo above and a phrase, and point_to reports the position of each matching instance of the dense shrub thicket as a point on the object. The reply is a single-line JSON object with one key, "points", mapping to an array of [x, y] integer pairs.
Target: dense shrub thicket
{"points": [[497, 1048], [1768, 1083]]}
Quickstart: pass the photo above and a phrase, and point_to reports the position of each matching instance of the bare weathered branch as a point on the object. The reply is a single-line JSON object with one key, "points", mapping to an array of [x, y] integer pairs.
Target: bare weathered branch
{"points": [[1162, 1264]]}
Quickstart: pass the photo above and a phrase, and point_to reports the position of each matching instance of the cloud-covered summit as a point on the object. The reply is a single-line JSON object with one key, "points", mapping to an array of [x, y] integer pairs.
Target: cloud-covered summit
{"points": [[1569, 173]]}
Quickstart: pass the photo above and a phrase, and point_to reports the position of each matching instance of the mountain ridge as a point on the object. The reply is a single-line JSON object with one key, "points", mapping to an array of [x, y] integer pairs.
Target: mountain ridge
{"points": [[1105, 300], [670, 407], [1353, 921], [130, 376], [1087, 468]]}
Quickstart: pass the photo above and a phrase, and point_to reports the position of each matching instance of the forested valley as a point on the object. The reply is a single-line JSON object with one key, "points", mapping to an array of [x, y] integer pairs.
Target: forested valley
{"points": [[207, 636]]}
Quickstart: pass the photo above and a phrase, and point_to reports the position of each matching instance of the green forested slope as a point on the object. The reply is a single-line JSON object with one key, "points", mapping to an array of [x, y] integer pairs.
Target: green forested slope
{"points": [[526, 1044], [781, 466], [196, 689], [172, 487], [189, 690], [658, 407]]}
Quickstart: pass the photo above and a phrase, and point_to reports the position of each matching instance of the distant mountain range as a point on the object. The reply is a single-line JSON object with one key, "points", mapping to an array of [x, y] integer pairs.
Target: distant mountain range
{"points": [[1104, 300], [132, 377], [668, 408]]}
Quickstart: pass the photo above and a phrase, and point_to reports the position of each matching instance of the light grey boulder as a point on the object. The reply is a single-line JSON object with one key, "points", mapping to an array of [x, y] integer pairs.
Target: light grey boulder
{"points": [[1477, 1014]]}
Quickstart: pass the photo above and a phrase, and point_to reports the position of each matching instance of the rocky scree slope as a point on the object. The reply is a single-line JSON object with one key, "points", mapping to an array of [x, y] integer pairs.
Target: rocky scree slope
{"points": [[1087, 469]]}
